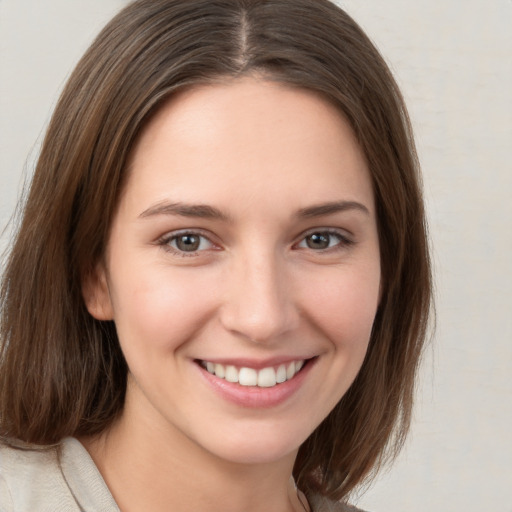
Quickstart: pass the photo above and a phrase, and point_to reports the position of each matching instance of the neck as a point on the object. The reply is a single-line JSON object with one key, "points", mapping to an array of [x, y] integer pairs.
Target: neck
{"points": [[147, 468]]}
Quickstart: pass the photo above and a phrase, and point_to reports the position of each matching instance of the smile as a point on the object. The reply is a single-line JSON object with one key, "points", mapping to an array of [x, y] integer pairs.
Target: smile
{"points": [[263, 378]]}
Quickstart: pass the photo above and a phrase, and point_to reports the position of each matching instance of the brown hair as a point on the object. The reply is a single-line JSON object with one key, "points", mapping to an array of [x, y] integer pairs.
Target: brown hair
{"points": [[62, 372]]}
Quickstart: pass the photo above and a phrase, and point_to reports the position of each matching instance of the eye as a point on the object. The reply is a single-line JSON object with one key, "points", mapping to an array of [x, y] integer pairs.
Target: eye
{"points": [[323, 240], [186, 242]]}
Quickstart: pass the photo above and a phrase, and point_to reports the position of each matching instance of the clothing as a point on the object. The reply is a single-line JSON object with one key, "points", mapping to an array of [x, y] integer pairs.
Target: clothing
{"points": [[320, 504], [58, 479], [64, 478]]}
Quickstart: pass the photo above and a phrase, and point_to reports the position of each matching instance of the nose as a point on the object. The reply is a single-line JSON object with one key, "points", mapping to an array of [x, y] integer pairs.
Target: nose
{"points": [[259, 304]]}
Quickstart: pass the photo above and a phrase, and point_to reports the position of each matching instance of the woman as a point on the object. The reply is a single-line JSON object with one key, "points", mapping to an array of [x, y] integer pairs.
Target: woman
{"points": [[218, 294]]}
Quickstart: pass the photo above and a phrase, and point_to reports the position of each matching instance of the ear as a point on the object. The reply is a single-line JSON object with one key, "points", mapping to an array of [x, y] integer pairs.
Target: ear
{"points": [[96, 294]]}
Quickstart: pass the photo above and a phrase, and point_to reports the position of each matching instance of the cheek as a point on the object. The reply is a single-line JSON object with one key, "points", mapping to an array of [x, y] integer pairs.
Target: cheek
{"points": [[344, 306], [160, 309]]}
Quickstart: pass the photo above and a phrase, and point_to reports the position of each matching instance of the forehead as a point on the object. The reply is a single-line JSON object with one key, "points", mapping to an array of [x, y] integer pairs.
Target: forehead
{"points": [[247, 134]]}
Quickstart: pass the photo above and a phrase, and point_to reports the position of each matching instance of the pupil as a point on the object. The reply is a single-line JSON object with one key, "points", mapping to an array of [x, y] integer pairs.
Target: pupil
{"points": [[188, 243], [318, 241]]}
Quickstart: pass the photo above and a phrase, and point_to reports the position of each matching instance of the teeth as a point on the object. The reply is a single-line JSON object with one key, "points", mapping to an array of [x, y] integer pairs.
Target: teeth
{"points": [[264, 378], [231, 374], [248, 377], [290, 371], [219, 371], [281, 374]]}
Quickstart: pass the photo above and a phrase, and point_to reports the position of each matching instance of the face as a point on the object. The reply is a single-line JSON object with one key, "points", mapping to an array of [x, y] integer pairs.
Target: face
{"points": [[242, 269]]}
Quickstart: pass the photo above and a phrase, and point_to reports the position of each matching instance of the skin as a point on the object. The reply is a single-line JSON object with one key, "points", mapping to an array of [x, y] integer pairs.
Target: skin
{"points": [[256, 288]]}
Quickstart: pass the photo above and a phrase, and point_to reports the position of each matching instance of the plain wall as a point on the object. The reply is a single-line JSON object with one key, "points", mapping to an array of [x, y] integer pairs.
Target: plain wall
{"points": [[454, 62]]}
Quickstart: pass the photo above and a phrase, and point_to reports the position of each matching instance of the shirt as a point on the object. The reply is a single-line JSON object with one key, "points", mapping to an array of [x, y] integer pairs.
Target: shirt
{"points": [[64, 478]]}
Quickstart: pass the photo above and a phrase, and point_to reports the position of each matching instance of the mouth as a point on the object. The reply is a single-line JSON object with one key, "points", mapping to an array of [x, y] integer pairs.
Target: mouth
{"points": [[267, 377]]}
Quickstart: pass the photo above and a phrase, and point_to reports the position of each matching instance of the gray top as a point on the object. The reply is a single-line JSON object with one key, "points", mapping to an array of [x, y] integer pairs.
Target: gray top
{"points": [[64, 478], [57, 479]]}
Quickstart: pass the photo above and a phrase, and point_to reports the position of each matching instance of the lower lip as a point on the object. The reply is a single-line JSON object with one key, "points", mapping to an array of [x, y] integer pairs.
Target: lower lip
{"points": [[254, 396]]}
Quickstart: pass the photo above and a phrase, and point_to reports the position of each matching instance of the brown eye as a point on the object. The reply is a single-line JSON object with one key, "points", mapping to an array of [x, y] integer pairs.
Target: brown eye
{"points": [[318, 240], [324, 240], [188, 243]]}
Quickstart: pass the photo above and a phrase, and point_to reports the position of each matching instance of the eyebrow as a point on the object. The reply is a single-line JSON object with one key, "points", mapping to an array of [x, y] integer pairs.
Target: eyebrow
{"points": [[206, 211], [330, 208]]}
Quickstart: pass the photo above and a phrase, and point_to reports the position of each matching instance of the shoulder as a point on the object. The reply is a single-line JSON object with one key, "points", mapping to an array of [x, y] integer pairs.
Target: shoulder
{"points": [[31, 479], [322, 504]]}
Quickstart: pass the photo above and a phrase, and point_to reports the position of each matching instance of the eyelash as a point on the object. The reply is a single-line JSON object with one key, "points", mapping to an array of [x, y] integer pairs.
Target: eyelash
{"points": [[166, 241], [343, 240]]}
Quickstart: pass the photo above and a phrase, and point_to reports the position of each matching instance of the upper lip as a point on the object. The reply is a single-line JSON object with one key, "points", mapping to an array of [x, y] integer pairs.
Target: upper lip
{"points": [[257, 364]]}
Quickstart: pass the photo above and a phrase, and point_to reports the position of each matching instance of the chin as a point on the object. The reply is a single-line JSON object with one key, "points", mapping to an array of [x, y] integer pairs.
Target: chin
{"points": [[249, 447]]}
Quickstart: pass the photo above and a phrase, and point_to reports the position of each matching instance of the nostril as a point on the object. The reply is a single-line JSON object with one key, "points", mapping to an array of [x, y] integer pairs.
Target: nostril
{"points": [[258, 305], [259, 324]]}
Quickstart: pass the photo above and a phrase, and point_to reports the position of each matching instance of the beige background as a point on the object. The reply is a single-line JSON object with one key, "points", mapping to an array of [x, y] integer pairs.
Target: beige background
{"points": [[454, 62]]}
